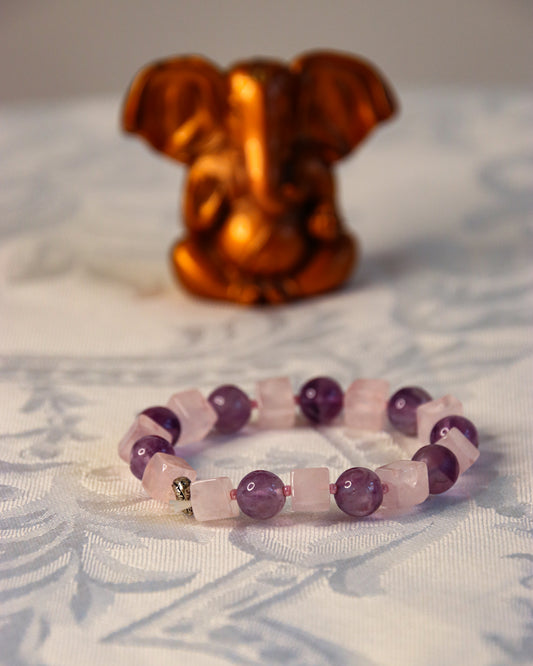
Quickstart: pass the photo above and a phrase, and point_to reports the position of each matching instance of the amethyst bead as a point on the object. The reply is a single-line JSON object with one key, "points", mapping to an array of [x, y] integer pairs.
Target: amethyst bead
{"points": [[144, 449], [166, 418], [402, 406], [443, 467], [443, 427], [320, 399], [359, 492], [260, 494], [233, 408]]}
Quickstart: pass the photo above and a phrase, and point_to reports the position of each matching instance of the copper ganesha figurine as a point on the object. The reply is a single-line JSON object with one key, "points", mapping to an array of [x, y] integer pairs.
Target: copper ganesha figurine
{"points": [[260, 140]]}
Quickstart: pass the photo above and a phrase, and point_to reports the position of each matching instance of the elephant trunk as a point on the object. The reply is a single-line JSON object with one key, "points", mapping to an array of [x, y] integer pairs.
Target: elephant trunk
{"points": [[262, 156]]}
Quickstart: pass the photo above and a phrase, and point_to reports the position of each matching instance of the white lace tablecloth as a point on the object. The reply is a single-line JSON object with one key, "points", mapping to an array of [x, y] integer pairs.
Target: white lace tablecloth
{"points": [[93, 329]]}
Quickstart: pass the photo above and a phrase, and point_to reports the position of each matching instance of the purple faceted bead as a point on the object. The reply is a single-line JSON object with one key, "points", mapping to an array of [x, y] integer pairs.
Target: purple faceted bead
{"points": [[144, 449], [359, 492], [443, 467], [260, 494], [320, 399], [402, 406], [166, 418], [233, 408], [443, 427]]}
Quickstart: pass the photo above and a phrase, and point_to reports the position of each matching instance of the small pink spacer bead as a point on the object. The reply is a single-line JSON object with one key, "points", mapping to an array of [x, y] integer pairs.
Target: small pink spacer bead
{"points": [[233, 493], [385, 488], [287, 491], [253, 404], [332, 488]]}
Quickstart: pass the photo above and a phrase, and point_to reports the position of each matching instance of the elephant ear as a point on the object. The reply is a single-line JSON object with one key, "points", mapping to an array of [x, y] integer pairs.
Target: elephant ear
{"points": [[341, 100], [178, 106]]}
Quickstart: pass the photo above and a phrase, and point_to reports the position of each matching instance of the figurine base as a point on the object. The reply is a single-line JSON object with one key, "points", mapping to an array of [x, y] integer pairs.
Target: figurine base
{"points": [[326, 269]]}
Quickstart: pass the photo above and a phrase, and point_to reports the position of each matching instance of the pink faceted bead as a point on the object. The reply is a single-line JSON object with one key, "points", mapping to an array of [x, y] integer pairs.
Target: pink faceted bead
{"points": [[465, 452], [196, 415], [430, 412], [275, 403], [365, 404], [310, 489], [211, 499], [160, 471], [143, 426], [407, 484]]}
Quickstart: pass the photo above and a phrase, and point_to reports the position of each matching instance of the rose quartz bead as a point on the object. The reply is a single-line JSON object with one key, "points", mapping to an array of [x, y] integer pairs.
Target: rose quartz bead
{"points": [[407, 483], [430, 412], [143, 426], [310, 489], [196, 415], [465, 452], [365, 404], [275, 403], [160, 471], [211, 499]]}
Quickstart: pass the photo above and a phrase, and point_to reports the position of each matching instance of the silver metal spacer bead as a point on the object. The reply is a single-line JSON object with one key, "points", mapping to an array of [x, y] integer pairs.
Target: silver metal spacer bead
{"points": [[182, 490]]}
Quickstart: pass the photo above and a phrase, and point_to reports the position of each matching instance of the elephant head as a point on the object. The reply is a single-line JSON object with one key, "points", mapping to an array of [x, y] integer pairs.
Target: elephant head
{"points": [[260, 140]]}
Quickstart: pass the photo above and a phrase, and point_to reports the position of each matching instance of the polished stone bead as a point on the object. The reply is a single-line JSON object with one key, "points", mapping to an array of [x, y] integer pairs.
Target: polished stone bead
{"points": [[432, 411], [365, 404], [402, 406], [166, 418], [211, 499], [320, 399], [141, 427], [275, 403], [407, 484], [196, 415], [463, 449], [160, 472], [310, 489], [260, 494], [359, 492], [144, 449], [443, 427], [233, 408], [443, 468]]}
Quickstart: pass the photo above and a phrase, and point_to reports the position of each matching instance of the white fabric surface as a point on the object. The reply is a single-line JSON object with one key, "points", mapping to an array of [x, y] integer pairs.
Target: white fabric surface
{"points": [[93, 329]]}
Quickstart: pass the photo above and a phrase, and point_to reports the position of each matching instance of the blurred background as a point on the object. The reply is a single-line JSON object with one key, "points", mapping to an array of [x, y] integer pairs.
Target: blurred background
{"points": [[66, 48]]}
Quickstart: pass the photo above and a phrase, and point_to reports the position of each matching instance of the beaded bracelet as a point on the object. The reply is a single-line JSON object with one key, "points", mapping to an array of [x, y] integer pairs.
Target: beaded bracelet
{"points": [[450, 447]]}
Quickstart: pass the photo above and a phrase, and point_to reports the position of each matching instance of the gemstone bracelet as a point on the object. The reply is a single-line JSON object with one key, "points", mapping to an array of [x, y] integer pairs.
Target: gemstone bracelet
{"points": [[449, 447]]}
